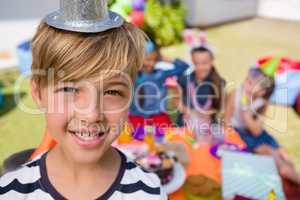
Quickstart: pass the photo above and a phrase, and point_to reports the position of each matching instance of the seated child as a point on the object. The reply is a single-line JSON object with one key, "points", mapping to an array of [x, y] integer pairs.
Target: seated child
{"points": [[201, 93], [245, 107], [149, 100], [80, 81]]}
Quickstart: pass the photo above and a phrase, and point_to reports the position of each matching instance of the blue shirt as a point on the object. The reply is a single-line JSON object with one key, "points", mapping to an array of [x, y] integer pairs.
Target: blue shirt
{"points": [[150, 91], [203, 90]]}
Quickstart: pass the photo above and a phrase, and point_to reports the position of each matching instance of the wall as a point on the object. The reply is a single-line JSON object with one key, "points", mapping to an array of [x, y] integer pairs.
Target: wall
{"points": [[282, 9], [25, 9]]}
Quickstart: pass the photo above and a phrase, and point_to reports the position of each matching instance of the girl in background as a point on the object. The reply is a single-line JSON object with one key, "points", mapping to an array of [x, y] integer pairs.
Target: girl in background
{"points": [[245, 107], [200, 93]]}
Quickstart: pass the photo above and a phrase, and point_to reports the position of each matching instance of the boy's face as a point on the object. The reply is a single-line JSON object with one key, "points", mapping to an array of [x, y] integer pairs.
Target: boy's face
{"points": [[203, 64], [85, 117], [150, 61]]}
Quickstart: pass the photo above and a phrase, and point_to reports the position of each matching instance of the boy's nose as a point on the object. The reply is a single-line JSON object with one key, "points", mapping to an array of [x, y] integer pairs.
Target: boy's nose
{"points": [[93, 110], [93, 116]]}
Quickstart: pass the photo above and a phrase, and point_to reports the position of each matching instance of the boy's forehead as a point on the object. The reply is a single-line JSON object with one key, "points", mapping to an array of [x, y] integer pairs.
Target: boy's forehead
{"points": [[120, 79], [202, 55]]}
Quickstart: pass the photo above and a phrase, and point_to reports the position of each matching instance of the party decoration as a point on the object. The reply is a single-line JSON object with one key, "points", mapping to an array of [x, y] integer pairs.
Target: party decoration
{"points": [[287, 84], [137, 18], [197, 39], [270, 67], [138, 5], [163, 21]]}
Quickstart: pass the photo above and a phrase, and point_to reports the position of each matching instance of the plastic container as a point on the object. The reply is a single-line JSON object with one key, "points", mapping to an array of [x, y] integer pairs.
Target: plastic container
{"points": [[24, 56]]}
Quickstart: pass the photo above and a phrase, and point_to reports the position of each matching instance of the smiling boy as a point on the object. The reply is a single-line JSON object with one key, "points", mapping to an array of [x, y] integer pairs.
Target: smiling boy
{"points": [[81, 81]]}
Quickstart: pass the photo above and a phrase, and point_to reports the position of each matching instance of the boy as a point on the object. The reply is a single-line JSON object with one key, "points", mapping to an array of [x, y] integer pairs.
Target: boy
{"points": [[81, 82], [149, 101]]}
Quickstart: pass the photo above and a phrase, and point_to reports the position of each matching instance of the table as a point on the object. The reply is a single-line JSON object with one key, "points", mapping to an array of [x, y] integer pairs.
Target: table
{"points": [[201, 161]]}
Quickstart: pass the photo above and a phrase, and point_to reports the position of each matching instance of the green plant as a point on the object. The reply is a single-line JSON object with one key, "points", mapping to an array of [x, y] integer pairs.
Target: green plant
{"points": [[164, 21], [110, 2]]}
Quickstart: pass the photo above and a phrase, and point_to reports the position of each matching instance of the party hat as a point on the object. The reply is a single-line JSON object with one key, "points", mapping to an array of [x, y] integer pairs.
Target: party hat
{"points": [[88, 16], [270, 67]]}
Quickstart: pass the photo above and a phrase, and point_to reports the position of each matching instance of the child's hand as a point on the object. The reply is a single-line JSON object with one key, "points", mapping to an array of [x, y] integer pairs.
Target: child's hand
{"points": [[255, 125]]}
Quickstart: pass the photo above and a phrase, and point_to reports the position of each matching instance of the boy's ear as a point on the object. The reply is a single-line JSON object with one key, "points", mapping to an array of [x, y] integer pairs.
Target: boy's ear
{"points": [[36, 93]]}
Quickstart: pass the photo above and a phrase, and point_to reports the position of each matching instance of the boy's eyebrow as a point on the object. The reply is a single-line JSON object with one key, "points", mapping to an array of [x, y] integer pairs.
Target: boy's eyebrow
{"points": [[117, 83]]}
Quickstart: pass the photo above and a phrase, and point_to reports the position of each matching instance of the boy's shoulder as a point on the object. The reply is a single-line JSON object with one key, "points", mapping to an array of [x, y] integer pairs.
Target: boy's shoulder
{"points": [[135, 178], [23, 181], [22, 173], [134, 173]]}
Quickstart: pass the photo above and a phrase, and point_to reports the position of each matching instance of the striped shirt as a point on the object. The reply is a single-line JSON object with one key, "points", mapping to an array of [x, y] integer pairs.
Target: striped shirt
{"points": [[31, 182]]}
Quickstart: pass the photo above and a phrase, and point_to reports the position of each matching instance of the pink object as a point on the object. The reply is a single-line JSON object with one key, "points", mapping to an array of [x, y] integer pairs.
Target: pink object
{"points": [[171, 82], [188, 36], [137, 18], [238, 197]]}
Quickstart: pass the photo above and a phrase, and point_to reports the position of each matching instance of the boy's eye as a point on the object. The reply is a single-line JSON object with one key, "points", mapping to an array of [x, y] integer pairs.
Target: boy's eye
{"points": [[69, 89], [113, 93]]}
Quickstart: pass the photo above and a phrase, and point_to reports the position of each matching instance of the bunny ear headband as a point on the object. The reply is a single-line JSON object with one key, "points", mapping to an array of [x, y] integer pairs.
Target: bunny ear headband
{"points": [[194, 40]]}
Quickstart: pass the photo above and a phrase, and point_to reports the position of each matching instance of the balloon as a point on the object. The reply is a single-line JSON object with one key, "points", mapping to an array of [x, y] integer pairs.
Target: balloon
{"points": [[137, 18], [138, 5]]}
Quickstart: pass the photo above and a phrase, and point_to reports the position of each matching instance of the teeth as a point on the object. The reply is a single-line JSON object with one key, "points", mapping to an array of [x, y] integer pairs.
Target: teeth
{"points": [[87, 136]]}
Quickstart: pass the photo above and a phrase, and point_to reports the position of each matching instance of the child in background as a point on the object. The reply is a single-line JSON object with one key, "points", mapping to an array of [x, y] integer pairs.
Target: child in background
{"points": [[149, 101], [201, 93], [83, 90], [245, 107]]}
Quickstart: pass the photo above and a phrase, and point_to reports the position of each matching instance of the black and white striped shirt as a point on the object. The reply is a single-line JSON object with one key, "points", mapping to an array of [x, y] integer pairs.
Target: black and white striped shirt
{"points": [[31, 182]]}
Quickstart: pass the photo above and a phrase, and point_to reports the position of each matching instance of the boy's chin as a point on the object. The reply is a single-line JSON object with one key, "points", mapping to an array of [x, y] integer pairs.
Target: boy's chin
{"points": [[89, 157], [84, 155]]}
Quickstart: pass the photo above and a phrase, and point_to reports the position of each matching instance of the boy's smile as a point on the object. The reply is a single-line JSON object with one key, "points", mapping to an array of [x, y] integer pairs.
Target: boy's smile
{"points": [[89, 138]]}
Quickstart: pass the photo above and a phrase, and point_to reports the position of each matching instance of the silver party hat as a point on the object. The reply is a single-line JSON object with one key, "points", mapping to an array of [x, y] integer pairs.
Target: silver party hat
{"points": [[88, 16]]}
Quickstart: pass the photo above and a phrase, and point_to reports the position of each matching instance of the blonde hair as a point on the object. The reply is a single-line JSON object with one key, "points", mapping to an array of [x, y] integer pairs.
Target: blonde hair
{"points": [[74, 56]]}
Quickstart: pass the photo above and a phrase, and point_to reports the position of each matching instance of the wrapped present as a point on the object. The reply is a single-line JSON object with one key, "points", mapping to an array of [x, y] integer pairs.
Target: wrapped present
{"points": [[249, 175]]}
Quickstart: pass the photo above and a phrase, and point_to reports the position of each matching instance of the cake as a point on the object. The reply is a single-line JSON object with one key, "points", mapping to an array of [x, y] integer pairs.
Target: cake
{"points": [[160, 163], [201, 188]]}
